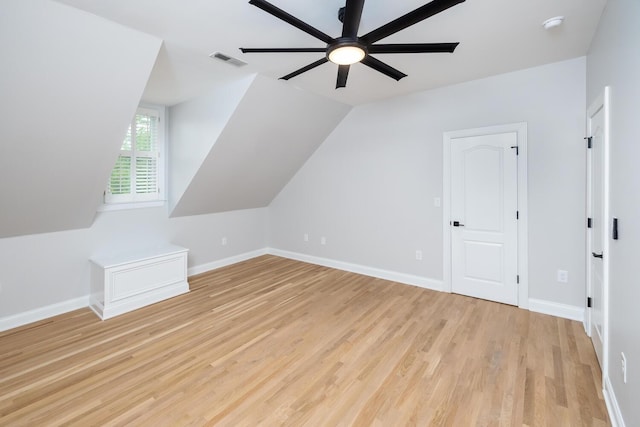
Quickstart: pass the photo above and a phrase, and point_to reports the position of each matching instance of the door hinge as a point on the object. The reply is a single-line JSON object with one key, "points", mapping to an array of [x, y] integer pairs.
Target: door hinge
{"points": [[589, 223], [589, 141], [517, 214], [589, 302], [518, 278], [517, 149]]}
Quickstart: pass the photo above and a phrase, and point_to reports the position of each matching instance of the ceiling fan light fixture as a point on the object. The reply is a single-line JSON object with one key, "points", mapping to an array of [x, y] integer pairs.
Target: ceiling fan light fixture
{"points": [[346, 54], [350, 48]]}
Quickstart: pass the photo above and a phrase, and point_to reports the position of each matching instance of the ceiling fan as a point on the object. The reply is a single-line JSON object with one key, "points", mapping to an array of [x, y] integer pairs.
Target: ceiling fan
{"points": [[349, 49]]}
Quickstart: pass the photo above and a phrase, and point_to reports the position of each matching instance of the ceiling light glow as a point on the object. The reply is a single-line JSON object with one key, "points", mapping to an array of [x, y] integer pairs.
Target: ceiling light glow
{"points": [[346, 55]]}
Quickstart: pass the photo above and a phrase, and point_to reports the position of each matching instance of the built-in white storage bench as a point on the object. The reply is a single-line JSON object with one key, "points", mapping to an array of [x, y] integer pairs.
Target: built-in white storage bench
{"points": [[130, 280]]}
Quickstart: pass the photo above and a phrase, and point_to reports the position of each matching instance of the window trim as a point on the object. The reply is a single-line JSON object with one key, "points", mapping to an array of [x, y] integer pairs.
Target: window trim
{"points": [[121, 206], [160, 200]]}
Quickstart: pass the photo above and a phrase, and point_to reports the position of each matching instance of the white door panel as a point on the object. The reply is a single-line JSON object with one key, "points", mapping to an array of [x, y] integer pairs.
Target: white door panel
{"points": [[484, 185], [481, 170], [484, 261]]}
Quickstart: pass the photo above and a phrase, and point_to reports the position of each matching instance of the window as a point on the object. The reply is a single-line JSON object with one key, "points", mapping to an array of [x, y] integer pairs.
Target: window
{"points": [[137, 174]]}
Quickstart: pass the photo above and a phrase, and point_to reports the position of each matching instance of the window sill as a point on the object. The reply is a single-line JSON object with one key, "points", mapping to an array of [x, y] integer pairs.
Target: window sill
{"points": [[130, 205]]}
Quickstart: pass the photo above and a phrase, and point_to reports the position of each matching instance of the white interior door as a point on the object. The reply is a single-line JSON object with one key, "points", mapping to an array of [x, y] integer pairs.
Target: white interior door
{"points": [[483, 218], [598, 230]]}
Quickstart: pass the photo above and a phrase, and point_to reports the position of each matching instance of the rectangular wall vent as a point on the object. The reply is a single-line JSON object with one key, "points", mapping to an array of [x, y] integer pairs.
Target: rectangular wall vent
{"points": [[228, 59]]}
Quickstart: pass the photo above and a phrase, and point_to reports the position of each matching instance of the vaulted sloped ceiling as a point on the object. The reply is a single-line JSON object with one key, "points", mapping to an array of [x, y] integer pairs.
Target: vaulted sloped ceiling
{"points": [[69, 84], [195, 126], [496, 36], [273, 130]]}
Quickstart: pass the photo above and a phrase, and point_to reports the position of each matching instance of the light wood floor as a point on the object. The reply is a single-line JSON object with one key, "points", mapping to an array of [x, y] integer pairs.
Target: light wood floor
{"points": [[278, 342]]}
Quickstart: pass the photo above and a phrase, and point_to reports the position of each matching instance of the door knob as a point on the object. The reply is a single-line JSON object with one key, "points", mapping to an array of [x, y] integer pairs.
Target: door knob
{"points": [[595, 255], [457, 224]]}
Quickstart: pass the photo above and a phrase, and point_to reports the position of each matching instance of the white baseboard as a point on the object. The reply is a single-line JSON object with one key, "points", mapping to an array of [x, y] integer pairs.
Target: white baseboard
{"points": [[203, 268], [540, 306], [393, 276], [615, 415], [557, 309], [20, 319]]}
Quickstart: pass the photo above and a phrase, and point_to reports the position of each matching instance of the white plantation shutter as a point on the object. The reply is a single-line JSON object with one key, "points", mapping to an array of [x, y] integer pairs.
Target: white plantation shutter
{"points": [[136, 175], [146, 175], [120, 181]]}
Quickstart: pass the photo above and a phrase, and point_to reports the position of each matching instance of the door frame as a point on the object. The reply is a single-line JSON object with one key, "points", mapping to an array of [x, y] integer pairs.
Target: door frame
{"points": [[601, 102], [523, 258]]}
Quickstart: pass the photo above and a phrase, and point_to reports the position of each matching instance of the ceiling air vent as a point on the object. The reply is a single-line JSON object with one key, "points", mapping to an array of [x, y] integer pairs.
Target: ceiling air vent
{"points": [[228, 59]]}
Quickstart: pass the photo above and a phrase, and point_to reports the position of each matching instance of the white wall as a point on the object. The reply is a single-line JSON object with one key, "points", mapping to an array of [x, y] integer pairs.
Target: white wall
{"points": [[369, 188], [614, 60], [45, 269]]}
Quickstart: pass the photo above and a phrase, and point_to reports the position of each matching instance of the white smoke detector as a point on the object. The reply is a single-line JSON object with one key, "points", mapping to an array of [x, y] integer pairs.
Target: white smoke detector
{"points": [[553, 22]]}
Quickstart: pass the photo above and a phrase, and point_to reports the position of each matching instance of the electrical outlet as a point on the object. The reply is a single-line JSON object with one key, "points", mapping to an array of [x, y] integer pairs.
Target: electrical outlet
{"points": [[563, 276], [306, 237], [224, 241], [419, 255], [623, 363], [323, 240]]}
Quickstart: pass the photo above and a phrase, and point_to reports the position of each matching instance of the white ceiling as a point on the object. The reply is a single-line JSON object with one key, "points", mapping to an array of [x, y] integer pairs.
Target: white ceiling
{"points": [[496, 36]]}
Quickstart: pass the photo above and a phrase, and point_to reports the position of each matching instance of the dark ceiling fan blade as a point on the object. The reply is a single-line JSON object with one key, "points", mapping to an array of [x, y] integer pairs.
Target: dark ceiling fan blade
{"points": [[343, 73], [283, 50], [290, 19], [420, 14], [385, 69], [413, 48], [352, 15], [305, 69]]}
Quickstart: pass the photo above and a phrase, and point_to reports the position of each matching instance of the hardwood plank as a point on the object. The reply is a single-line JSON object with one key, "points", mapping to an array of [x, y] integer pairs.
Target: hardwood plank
{"points": [[272, 341]]}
